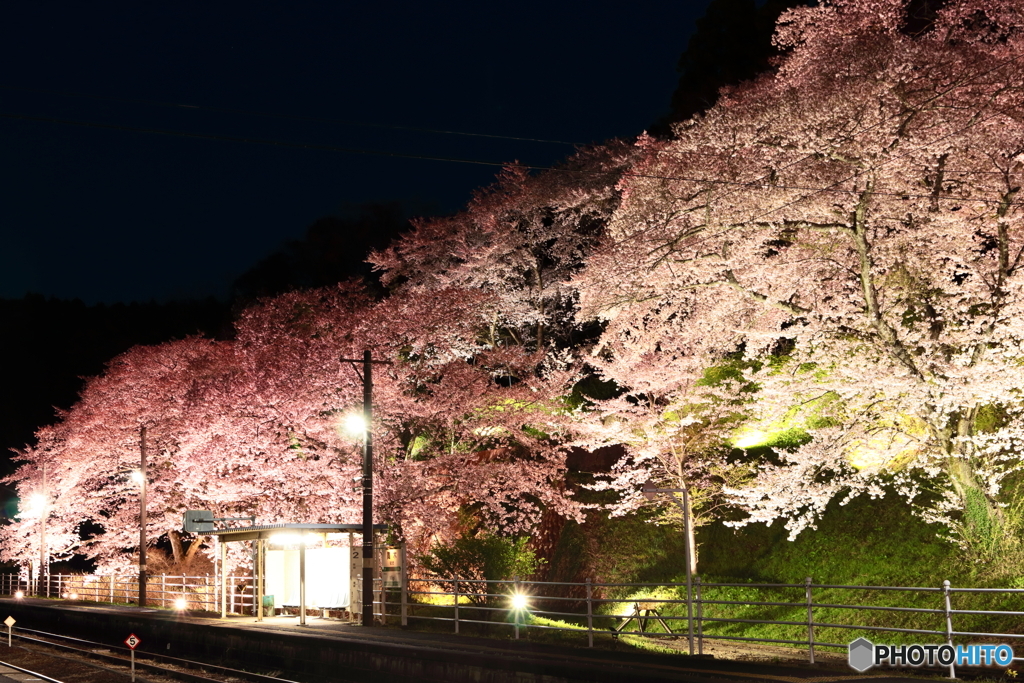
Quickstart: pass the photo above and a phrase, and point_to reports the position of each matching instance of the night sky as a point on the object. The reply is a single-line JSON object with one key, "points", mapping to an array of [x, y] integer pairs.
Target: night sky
{"points": [[110, 215]]}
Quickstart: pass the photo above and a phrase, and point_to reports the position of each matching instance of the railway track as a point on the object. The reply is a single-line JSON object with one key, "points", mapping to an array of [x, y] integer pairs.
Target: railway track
{"points": [[19, 674], [116, 662]]}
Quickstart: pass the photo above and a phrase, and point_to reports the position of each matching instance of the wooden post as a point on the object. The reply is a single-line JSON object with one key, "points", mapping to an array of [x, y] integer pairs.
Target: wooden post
{"points": [[223, 578], [367, 490], [142, 517]]}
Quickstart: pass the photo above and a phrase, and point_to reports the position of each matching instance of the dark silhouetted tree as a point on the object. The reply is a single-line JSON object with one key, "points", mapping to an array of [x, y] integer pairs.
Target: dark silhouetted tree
{"points": [[333, 250]]}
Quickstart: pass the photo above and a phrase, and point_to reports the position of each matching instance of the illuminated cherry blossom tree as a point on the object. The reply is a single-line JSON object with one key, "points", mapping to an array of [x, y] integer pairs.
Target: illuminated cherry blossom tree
{"points": [[520, 240], [852, 226], [253, 427]]}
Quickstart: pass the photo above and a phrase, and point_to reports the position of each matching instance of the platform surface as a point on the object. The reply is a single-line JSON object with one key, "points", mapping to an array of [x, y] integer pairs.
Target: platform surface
{"points": [[510, 655]]}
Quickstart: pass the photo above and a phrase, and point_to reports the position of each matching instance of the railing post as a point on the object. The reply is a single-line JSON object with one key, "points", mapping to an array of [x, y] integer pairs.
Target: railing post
{"points": [[949, 624], [700, 616], [590, 615], [456, 593], [404, 578], [810, 620], [111, 589], [515, 612]]}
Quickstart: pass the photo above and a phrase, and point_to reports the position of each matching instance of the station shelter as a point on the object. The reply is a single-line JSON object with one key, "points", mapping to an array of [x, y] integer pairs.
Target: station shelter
{"points": [[315, 566]]}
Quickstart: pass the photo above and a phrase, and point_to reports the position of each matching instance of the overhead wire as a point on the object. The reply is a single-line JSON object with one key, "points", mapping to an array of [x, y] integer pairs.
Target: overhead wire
{"points": [[293, 117], [346, 122], [758, 184]]}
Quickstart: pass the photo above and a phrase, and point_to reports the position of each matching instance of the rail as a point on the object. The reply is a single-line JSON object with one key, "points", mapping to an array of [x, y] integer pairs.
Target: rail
{"points": [[805, 615], [192, 593]]}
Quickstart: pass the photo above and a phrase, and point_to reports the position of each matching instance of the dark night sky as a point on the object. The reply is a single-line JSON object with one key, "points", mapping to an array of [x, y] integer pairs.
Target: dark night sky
{"points": [[108, 215]]}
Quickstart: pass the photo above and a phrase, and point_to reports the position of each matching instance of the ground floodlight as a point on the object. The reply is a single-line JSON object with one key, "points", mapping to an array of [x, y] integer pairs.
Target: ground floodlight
{"points": [[64, 595], [519, 601], [180, 604], [74, 596], [19, 595]]}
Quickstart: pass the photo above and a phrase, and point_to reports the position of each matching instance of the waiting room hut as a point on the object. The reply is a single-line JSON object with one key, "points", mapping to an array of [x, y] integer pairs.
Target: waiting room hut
{"points": [[298, 574]]}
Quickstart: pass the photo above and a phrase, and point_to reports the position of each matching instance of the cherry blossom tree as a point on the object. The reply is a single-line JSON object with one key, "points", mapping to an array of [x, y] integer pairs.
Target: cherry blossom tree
{"points": [[520, 241], [253, 426], [852, 226]]}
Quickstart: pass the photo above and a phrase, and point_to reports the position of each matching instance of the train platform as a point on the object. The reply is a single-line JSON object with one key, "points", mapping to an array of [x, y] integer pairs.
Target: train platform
{"points": [[335, 650]]}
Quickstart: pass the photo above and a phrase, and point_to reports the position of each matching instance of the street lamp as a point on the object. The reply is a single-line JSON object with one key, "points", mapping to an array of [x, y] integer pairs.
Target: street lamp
{"points": [[650, 493], [365, 428], [355, 424], [140, 477]]}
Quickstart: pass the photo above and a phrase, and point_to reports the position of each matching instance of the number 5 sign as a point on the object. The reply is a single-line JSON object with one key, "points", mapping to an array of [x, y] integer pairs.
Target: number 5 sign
{"points": [[132, 641]]}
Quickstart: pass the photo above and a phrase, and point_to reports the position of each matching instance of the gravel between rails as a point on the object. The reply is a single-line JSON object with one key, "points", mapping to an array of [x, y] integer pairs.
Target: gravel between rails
{"points": [[74, 668]]}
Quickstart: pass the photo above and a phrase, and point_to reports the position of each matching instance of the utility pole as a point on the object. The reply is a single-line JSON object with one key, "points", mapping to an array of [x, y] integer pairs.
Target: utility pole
{"points": [[368, 558], [142, 516], [43, 569], [367, 490]]}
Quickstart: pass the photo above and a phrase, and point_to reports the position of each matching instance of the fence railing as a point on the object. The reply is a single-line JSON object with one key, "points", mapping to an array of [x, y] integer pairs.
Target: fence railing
{"points": [[188, 593], [806, 615], [182, 592]]}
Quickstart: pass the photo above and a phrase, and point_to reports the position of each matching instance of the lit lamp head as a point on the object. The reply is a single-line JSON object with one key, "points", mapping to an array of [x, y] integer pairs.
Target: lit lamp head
{"points": [[355, 424], [36, 503], [649, 490], [138, 477], [519, 602]]}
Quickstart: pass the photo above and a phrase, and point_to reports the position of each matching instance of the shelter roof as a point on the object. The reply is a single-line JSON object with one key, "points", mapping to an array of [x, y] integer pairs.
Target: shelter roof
{"points": [[248, 533]]}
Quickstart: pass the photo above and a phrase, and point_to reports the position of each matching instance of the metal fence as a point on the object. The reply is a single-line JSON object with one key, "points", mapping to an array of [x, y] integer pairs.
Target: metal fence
{"points": [[804, 615], [189, 593], [194, 592]]}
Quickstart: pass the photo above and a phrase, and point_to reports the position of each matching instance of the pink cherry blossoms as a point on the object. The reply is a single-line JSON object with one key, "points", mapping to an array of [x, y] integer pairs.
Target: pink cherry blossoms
{"points": [[832, 251]]}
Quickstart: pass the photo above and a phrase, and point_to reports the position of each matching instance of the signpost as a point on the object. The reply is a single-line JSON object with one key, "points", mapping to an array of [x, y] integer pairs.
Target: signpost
{"points": [[10, 625], [132, 641]]}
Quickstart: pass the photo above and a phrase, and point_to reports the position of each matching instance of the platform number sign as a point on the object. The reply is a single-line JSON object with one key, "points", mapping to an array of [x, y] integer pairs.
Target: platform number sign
{"points": [[132, 641]]}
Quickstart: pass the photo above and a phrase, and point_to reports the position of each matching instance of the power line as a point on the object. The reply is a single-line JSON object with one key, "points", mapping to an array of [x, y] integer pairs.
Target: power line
{"points": [[246, 140], [296, 117], [756, 184], [293, 117]]}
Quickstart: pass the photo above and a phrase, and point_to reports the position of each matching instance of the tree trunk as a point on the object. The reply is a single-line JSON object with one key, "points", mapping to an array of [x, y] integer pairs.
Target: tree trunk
{"points": [[983, 519], [176, 547], [691, 533]]}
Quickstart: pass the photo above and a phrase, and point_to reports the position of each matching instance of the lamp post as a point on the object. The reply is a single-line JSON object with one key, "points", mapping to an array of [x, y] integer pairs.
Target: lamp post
{"points": [[142, 478], [367, 376], [650, 492]]}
